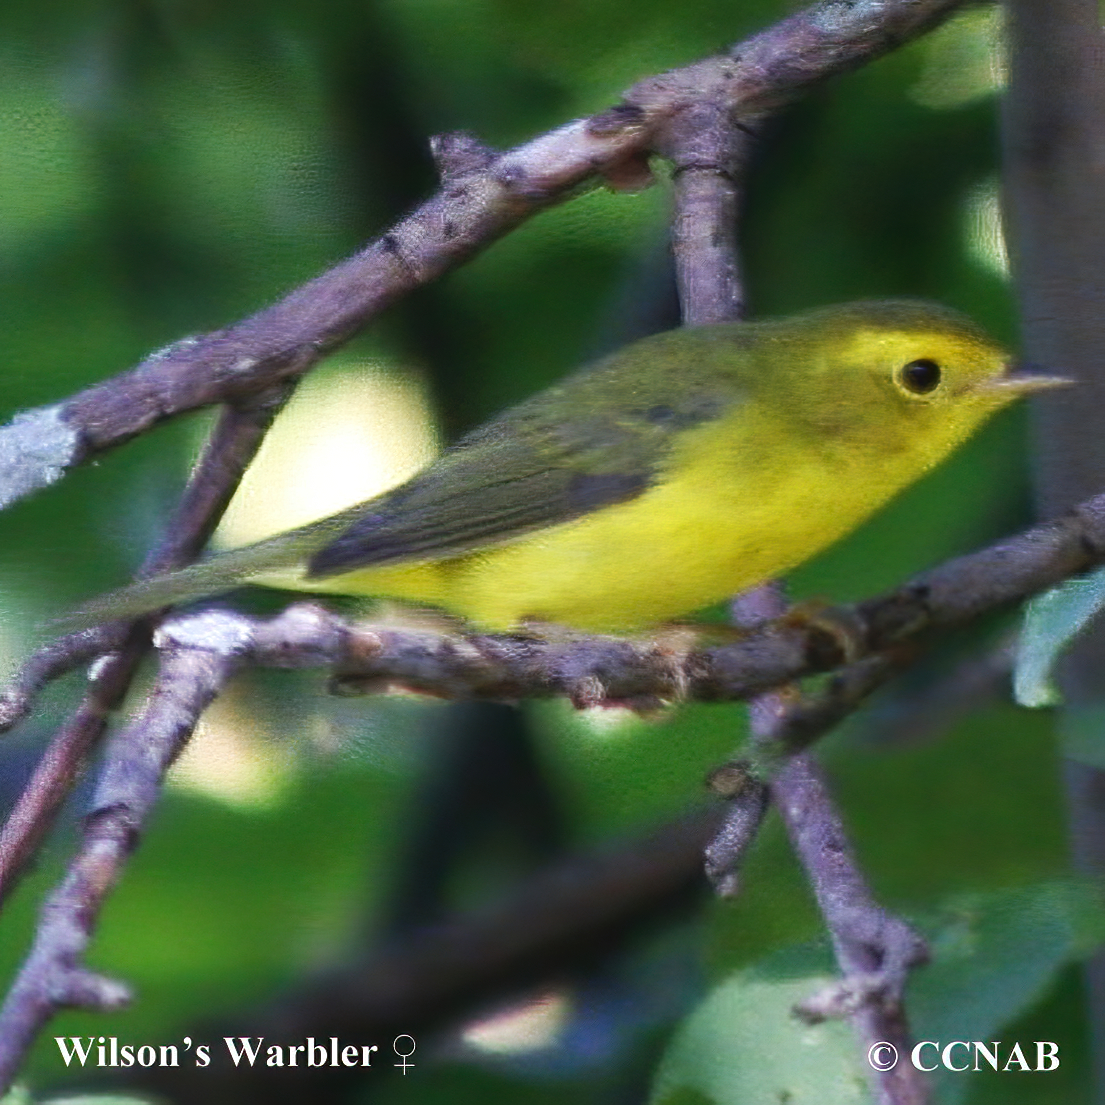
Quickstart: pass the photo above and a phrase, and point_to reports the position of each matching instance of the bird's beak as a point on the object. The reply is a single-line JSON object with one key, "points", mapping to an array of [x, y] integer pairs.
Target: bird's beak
{"points": [[1023, 380]]}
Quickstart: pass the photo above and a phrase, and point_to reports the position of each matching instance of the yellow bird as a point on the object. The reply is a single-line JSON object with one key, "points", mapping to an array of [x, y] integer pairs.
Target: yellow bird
{"points": [[684, 468]]}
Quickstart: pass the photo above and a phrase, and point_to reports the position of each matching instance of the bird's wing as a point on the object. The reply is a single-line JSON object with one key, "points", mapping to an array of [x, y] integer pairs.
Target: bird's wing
{"points": [[594, 440], [541, 464]]}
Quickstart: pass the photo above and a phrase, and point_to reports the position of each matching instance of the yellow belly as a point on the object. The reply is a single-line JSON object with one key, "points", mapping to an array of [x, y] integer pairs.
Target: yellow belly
{"points": [[722, 521]]}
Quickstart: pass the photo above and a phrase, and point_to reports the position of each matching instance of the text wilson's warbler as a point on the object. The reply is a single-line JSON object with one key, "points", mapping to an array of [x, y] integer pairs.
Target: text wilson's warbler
{"points": [[681, 469]]}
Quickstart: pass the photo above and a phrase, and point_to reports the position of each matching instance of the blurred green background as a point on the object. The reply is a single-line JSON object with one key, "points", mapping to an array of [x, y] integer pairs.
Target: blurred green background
{"points": [[166, 167]]}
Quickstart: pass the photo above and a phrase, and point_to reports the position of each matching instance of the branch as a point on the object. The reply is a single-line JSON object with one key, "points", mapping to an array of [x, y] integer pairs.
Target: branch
{"points": [[710, 153], [52, 661], [591, 670], [478, 204], [53, 977], [873, 949], [121, 646]]}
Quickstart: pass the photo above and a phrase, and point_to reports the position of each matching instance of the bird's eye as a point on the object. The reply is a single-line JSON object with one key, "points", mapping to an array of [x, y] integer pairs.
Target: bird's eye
{"points": [[920, 377]]}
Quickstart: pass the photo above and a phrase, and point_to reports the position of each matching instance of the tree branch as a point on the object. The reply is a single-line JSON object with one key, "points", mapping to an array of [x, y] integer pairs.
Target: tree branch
{"points": [[232, 445], [479, 204], [53, 977], [710, 153], [873, 949], [590, 670]]}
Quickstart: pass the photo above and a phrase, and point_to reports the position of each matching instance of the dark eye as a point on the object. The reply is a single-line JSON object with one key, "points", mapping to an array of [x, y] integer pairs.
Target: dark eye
{"points": [[920, 377]]}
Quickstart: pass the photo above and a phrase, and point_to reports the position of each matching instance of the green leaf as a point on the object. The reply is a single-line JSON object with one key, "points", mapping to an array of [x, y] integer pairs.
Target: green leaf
{"points": [[744, 1046], [994, 956], [1051, 621]]}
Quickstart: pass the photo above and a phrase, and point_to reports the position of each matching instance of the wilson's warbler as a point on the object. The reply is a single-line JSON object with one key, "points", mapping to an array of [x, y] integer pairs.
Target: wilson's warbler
{"points": [[681, 469]]}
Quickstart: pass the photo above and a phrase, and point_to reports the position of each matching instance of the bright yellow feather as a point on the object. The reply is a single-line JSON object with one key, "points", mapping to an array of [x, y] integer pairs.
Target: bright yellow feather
{"points": [[683, 469]]}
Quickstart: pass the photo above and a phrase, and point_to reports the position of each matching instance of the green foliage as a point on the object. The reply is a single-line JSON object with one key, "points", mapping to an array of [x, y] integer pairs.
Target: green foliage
{"points": [[742, 1044], [97, 1099], [1051, 621], [993, 957], [20, 1095]]}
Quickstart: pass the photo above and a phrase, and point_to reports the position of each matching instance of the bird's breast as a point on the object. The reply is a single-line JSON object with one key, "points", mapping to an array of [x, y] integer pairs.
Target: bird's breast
{"points": [[733, 507]]}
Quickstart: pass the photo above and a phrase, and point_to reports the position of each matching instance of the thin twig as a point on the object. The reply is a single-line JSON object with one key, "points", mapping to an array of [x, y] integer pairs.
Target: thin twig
{"points": [[472, 210], [232, 445], [746, 804], [591, 670], [53, 976], [913, 715], [808, 717], [751, 610], [875, 950], [55, 659]]}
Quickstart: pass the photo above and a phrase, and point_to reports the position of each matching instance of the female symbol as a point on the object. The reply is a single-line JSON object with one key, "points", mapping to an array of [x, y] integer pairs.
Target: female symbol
{"points": [[404, 1055]]}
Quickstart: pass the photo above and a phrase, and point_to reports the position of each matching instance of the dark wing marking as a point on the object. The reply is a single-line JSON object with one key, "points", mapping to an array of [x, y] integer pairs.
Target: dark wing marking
{"points": [[598, 438], [477, 500], [573, 449]]}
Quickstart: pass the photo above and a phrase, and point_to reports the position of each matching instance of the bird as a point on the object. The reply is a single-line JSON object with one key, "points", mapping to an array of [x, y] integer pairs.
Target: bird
{"points": [[685, 467]]}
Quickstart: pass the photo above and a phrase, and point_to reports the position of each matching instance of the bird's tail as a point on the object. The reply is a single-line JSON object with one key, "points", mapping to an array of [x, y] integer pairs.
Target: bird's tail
{"points": [[274, 559]]}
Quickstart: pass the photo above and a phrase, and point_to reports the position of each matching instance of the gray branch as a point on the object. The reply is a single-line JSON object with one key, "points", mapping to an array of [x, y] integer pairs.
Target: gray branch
{"points": [[120, 646], [483, 198], [53, 977], [591, 670], [873, 949]]}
